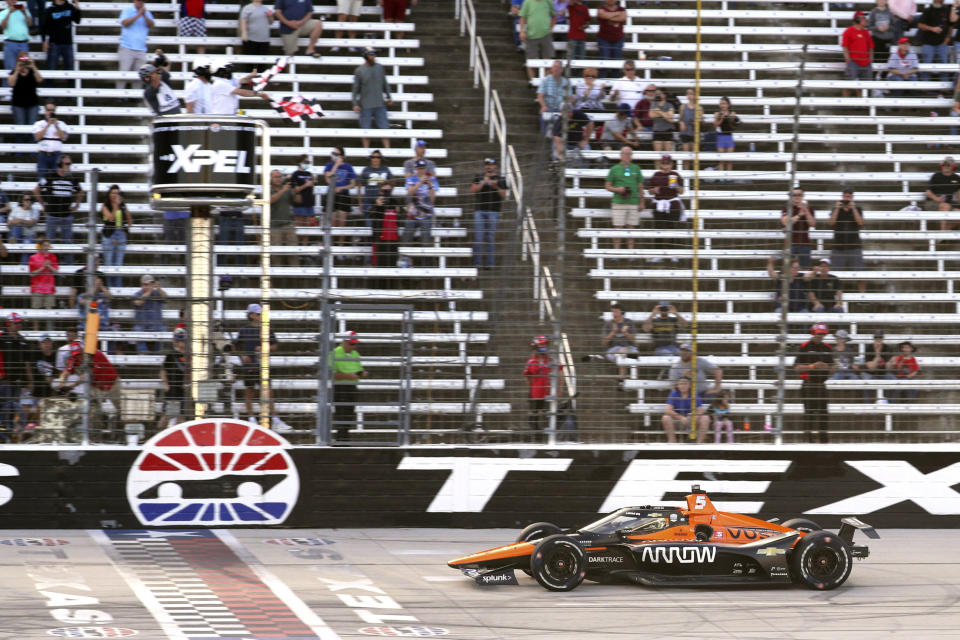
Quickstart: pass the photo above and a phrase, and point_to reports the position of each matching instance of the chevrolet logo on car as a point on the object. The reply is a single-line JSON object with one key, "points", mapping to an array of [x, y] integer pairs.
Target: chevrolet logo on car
{"points": [[771, 551]]}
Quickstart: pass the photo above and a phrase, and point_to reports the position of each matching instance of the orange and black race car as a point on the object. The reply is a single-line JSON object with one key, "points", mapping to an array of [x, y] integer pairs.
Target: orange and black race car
{"points": [[696, 545]]}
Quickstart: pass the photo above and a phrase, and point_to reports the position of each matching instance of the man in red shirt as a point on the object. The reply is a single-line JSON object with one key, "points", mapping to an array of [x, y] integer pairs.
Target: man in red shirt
{"points": [[610, 18], [540, 367], [106, 382], [857, 51], [578, 17], [43, 268]]}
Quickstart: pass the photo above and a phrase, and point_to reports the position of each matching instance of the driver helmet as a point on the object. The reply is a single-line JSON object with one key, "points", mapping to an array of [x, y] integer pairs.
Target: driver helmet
{"points": [[145, 71], [541, 343]]}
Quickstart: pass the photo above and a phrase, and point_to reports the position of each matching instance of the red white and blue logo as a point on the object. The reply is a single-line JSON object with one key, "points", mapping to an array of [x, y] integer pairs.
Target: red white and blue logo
{"points": [[213, 472]]}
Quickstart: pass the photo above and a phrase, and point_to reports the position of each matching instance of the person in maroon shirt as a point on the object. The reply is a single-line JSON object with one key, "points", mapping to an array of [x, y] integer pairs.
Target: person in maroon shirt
{"points": [[804, 219], [538, 371], [610, 18], [641, 110], [857, 51], [666, 186], [578, 17]]}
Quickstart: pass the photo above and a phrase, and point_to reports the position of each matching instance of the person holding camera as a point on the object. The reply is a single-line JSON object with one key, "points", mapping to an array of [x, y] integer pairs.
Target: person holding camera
{"points": [[384, 216], [135, 25], [23, 81], [50, 133], [662, 324], [803, 220], [342, 178], [15, 22], [422, 189], [663, 118], [619, 337], [282, 230], [625, 182], [157, 92], [490, 189], [148, 305], [847, 250], [823, 289]]}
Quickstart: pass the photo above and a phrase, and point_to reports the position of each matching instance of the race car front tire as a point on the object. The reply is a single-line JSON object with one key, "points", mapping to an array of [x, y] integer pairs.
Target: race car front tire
{"points": [[821, 560], [536, 531], [802, 524], [558, 563]]}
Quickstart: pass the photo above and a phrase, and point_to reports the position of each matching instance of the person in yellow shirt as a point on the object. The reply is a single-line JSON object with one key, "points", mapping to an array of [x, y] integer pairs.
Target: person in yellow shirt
{"points": [[347, 372]]}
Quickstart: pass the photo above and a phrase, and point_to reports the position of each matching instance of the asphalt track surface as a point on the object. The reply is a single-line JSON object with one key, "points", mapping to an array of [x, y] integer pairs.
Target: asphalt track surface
{"points": [[350, 583]]}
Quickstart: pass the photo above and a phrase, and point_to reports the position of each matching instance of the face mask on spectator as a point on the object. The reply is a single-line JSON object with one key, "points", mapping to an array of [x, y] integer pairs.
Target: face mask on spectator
{"points": [[305, 166]]}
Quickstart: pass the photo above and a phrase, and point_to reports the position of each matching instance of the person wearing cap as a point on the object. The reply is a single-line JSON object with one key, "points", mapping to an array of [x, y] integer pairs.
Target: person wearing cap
{"points": [[16, 355], [419, 153], [247, 346], [283, 232], [942, 188], [489, 189], [148, 305], [173, 379], [620, 339], [296, 21], [705, 369], [553, 93], [845, 358], [226, 91], [371, 95], [846, 219], [157, 92], [196, 93], [422, 192], [60, 194], [814, 363], [934, 29], [904, 367], [537, 19], [824, 290], [902, 64], [135, 24], [538, 371], [619, 131], [662, 324], [857, 51], [666, 186], [625, 182], [679, 411], [347, 367], [884, 28]]}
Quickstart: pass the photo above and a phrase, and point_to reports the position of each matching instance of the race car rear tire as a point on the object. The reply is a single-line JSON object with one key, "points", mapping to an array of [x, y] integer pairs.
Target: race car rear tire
{"points": [[536, 531], [558, 563], [802, 524], [821, 560]]}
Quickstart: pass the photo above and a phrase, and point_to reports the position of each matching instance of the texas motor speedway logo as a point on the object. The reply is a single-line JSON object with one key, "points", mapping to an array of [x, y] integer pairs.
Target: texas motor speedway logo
{"points": [[213, 472]]}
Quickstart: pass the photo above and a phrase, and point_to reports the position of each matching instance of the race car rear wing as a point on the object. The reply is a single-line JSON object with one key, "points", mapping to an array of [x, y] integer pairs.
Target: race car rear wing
{"points": [[848, 526]]}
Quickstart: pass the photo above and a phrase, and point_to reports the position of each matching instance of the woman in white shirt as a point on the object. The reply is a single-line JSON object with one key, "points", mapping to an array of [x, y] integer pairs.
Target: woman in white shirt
{"points": [[23, 220], [589, 93]]}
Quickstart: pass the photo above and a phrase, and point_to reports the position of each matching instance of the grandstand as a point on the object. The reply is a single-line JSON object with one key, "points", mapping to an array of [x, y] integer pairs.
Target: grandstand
{"points": [[458, 84]]}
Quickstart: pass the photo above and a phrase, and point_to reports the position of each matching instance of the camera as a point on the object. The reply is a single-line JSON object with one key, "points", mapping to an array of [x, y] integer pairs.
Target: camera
{"points": [[160, 60], [664, 307], [627, 191], [845, 202]]}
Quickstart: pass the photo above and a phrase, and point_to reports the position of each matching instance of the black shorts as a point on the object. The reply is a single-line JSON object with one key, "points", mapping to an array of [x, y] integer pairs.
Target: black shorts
{"points": [[342, 202], [250, 375], [663, 136]]}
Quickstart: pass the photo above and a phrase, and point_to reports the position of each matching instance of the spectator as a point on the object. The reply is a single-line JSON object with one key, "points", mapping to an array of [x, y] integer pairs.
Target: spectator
{"points": [[347, 11], [255, 21], [588, 94], [135, 23], [904, 367], [619, 131], [610, 19], [296, 19], [106, 381], [902, 64], [422, 190], [934, 30], [824, 289], [148, 304], [56, 31], [174, 232], [384, 216], [196, 95], [116, 221], [24, 100], [396, 11], [44, 267], [705, 368], [579, 130], [157, 92], [283, 233], [192, 22], [689, 113], [23, 221], [720, 408], [60, 194], [248, 347], [345, 361], [490, 188], [368, 184], [942, 191], [803, 220], [371, 95], [578, 17], [50, 134], [79, 296], [847, 250], [552, 94], [797, 288], [539, 369], [629, 88], [64, 350], [620, 339], [230, 231], [625, 182], [725, 120], [666, 185], [302, 182], [678, 410], [845, 359], [15, 357], [341, 177], [878, 356], [641, 114], [15, 22], [814, 363], [173, 378], [44, 373], [514, 17], [662, 324], [857, 51], [419, 153], [4, 206], [883, 29], [226, 91], [537, 18]]}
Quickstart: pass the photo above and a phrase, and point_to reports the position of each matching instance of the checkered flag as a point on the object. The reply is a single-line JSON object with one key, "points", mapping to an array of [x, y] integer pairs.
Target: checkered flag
{"points": [[297, 107]]}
